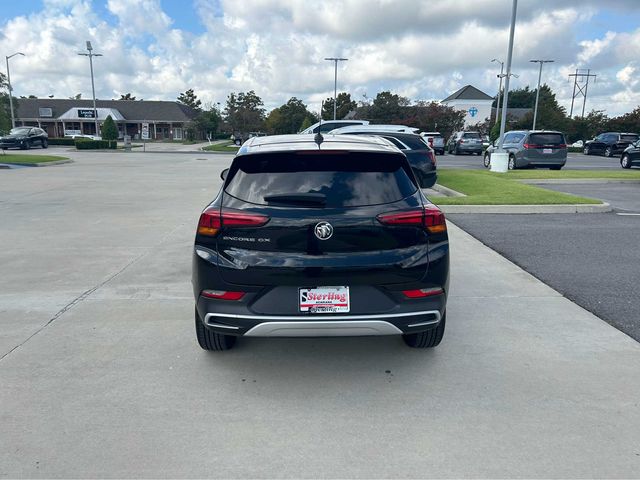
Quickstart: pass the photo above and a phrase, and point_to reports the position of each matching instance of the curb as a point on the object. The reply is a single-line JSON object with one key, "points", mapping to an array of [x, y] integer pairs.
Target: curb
{"points": [[447, 191], [527, 209], [43, 164]]}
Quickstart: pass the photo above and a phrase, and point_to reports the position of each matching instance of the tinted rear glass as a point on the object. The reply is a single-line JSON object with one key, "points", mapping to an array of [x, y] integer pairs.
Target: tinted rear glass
{"points": [[349, 179], [414, 142], [628, 138], [471, 135], [546, 138]]}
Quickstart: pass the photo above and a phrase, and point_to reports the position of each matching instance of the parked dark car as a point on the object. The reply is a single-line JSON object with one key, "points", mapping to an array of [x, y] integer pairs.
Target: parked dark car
{"points": [[631, 156], [609, 144], [465, 142], [25, 138], [531, 149], [421, 156], [327, 238]]}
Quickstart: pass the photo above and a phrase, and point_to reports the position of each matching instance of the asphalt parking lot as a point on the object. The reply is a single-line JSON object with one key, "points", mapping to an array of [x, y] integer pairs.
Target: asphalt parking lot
{"points": [[575, 161], [101, 375]]}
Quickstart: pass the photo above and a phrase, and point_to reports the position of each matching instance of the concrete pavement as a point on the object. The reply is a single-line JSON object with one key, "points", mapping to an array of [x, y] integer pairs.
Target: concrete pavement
{"points": [[102, 376]]}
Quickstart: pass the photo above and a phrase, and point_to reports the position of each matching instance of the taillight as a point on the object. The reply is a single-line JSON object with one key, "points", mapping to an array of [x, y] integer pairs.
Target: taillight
{"points": [[430, 217], [561, 145], [423, 292], [222, 295], [430, 140], [432, 158], [460, 141], [212, 220]]}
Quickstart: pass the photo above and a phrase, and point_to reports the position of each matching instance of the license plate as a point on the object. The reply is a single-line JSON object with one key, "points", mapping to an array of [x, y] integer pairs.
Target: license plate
{"points": [[547, 150], [324, 299]]}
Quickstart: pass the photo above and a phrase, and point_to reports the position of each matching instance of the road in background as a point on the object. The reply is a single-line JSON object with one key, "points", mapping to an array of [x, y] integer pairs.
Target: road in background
{"points": [[575, 161]]}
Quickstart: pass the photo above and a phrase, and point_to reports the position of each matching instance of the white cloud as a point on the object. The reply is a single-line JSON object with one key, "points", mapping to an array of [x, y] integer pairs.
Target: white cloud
{"points": [[418, 48]]}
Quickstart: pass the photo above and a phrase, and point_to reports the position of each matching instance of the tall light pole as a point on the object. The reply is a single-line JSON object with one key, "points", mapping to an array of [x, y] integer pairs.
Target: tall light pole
{"points": [[505, 98], [13, 119], [335, 60], [535, 110], [501, 76], [93, 88]]}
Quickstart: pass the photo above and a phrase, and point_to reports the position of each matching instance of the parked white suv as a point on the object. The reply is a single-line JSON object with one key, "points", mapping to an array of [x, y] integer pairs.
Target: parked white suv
{"points": [[329, 125]]}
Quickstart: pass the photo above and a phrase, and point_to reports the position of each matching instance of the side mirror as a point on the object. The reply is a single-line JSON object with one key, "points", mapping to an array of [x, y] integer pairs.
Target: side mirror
{"points": [[224, 173]]}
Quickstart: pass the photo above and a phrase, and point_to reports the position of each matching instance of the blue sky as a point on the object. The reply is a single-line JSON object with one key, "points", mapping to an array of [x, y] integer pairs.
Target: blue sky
{"points": [[423, 49]]}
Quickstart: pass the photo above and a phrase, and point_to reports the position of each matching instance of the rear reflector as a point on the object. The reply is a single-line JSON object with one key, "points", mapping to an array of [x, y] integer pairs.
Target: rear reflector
{"points": [[430, 217], [222, 295], [432, 157], [423, 292], [212, 220]]}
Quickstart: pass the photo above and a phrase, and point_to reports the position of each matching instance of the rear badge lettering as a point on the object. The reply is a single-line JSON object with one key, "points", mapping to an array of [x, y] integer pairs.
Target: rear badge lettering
{"points": [[247, 239]]}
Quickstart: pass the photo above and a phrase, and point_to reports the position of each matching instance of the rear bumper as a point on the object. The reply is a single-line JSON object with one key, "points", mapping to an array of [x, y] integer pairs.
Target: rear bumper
{"points": [[322, 326], [470, 148]]}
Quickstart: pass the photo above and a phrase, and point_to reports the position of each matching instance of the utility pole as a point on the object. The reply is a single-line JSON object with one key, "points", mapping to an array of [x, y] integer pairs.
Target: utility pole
{"points": [[535, 110], [501, 76], [335, 60], [505, 98], [93, 88], [578, 77], [13, 118]]}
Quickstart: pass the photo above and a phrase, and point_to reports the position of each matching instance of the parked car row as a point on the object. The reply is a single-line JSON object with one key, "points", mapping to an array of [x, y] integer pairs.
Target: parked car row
{"points": [[609, 143]]}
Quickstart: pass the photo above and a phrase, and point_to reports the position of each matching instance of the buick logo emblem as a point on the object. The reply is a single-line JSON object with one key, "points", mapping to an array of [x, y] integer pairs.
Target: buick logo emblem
{"points": [[323, 230]]}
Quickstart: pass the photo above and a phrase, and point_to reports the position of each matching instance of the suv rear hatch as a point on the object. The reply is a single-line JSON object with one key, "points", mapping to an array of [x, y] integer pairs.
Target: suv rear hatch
{"points": [[545, 147], [294, 193]]}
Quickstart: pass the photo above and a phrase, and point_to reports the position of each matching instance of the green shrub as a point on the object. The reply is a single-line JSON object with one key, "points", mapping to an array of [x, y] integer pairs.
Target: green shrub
{"points": [[88, 144], [61, 141], [109, 129]]}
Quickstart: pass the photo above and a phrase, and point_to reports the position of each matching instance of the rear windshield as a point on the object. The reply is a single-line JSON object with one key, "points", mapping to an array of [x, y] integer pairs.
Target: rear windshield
{"points": [[471, 135], [345, 179], [628, 138], [546, 138]]}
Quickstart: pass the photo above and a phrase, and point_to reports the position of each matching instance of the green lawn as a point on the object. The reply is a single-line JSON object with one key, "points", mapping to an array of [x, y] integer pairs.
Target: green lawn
{"points": [[19, 159], [227, 147], [487, 188]]}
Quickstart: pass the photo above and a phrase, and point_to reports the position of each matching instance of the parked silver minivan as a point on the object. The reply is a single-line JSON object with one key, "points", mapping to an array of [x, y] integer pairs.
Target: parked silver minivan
{"points": [[535, 148]]}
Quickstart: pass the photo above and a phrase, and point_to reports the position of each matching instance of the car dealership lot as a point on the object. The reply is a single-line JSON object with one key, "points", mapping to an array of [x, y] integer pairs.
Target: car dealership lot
{"points": [[102, 376]]}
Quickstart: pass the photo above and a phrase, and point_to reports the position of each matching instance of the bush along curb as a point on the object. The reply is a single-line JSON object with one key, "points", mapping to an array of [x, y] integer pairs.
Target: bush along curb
{"points": [[96, 144]]}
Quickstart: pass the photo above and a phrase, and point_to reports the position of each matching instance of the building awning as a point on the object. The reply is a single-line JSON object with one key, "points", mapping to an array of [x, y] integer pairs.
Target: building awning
{"points": [[78, 114]]}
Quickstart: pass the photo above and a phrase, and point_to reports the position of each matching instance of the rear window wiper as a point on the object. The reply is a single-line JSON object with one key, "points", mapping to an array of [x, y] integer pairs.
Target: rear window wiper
{"points": [[297, 198]]}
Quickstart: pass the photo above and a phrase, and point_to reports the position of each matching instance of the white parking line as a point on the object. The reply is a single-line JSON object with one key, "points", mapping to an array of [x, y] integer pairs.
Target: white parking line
{"points": [[628, 214]]}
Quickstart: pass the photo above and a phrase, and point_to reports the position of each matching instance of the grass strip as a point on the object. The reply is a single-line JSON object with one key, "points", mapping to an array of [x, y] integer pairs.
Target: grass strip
{"points": [[488, 188], [227, 147], [18, 159], [541, 174]]}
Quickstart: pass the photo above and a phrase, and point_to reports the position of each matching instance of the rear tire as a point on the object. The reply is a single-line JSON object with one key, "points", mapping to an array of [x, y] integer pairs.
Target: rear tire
{"points": [[586, 151], [212, 341], [625, 161], [487, 160], [456, 151], [512, 162], [429, 339], [45, 144], [608, 152]]}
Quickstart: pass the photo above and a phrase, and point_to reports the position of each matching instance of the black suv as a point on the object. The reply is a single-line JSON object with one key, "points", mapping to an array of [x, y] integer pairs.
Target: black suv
{"points": [[421, 156], [320, 238], [610, 143], [25, 138]]}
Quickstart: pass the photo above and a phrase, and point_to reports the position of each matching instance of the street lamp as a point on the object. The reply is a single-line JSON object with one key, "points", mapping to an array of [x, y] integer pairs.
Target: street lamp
{"points": [[535, 110], [335, 81], [93, 88], [499, 88], [505, 98], [13, 119]]}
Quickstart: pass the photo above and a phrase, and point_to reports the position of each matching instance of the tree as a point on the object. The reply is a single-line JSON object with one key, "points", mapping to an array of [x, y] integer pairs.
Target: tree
{"points": [[190, 99], [629, 122], [5, 114], [344, 106], [109, 129], [244, 112], [387, 107], [208, 121], [288, 118], [431, 116], [306, 123], [127, 96], [76, 97], [551, 115]]}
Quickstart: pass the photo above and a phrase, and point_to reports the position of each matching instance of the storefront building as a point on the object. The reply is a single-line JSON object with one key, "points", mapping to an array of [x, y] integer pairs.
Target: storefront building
{"points": [[66, 117]]}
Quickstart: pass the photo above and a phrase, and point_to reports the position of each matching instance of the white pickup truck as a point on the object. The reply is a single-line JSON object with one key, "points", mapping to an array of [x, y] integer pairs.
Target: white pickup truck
{"points": [[435, 141]]}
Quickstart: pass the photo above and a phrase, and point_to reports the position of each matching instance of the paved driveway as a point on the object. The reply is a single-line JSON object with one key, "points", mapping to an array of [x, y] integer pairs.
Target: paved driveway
{"points": [[101, 375]]}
